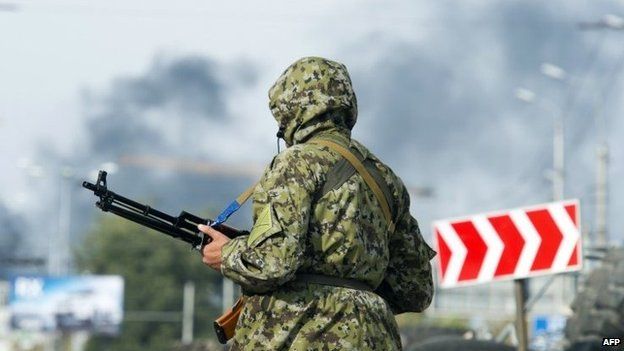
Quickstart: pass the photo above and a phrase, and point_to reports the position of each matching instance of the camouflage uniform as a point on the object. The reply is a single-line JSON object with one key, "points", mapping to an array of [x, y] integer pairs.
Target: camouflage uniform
{"points": [[342, 233]]}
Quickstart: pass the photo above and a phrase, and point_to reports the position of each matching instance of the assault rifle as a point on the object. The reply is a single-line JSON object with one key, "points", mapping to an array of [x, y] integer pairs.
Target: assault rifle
{"points": [[183, 227]]}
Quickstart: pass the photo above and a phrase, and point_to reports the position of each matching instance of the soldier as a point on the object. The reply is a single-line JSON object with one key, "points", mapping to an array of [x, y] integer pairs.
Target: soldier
{"points": [[333, 252]]}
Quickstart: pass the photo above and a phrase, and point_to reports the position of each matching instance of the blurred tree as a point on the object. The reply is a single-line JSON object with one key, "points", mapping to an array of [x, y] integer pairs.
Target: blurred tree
{"points": [[155, 269]]}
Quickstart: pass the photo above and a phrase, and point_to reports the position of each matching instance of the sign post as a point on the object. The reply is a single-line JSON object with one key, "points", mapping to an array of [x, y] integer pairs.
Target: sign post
{"points": [[520, 290]]}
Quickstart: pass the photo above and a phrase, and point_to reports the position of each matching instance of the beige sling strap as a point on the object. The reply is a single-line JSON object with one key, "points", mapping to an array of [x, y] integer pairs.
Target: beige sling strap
{"points": [[242, 198], [368, 178]]}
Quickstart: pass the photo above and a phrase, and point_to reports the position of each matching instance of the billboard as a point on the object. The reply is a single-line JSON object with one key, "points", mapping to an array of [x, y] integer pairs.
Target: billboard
{"points": [[90, 303]]}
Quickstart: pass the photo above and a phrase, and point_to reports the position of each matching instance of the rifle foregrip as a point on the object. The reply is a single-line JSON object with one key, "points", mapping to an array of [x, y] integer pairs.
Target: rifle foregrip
{"points": [[229, 231], [226, 324]]}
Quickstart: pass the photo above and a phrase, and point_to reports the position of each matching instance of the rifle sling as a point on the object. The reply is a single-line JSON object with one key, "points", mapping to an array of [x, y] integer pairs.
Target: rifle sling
{"points": [[373, 184]]}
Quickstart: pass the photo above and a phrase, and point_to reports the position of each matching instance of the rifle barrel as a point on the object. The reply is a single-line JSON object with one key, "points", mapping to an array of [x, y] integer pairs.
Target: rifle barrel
{"points": [[183, 227]]}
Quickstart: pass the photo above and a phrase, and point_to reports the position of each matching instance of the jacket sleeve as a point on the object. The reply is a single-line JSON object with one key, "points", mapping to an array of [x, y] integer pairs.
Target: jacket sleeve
{"points": [[408, 283], [271, 254]]}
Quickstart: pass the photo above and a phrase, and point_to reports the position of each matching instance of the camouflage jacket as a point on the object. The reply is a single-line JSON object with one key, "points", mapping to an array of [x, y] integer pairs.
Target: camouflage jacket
{"points": [[341, 233]]}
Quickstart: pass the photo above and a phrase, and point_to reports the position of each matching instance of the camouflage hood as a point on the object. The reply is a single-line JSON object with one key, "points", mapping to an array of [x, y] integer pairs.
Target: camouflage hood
{"points": [[313, 94]]}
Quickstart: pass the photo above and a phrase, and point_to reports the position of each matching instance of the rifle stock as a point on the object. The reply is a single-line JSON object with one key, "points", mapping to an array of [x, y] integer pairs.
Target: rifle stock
{"points": [[226, 324]]}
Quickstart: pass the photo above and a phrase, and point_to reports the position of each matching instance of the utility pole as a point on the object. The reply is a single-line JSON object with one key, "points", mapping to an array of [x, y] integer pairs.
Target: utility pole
{"points": [[188, 311], [557, 73], [608, 22], [558, 174], [602, 155], [61, 253], [558, 158]]}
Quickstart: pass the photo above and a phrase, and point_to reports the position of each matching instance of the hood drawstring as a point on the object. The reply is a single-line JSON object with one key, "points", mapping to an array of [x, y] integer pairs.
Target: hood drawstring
{"points": [[280, 135]]}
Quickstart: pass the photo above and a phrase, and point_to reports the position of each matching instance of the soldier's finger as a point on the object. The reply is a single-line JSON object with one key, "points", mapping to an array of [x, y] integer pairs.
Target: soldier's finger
{"points": [[213, 233]]}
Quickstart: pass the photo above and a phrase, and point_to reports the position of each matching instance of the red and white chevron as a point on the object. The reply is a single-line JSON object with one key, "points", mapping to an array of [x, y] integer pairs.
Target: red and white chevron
{"points": [[511, 244]]}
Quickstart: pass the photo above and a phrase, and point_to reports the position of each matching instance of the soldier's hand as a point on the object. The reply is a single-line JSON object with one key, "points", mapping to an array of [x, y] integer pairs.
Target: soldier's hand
{"points": [[212, 251]]}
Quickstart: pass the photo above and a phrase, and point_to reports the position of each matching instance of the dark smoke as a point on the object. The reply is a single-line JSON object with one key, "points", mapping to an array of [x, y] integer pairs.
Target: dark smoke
{"points": [[10, 235], [160, 113], [134, 115], [12, 231], [443, 112]]}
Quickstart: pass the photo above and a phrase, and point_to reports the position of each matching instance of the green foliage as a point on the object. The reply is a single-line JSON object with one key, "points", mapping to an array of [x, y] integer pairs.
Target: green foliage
{"points": [[155, 268], [454, 322]]}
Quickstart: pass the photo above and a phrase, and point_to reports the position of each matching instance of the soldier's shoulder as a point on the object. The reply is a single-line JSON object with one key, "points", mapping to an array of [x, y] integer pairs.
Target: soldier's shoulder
{"points": [[290, 164], [394, 182], [382, 166], [303, 154]]}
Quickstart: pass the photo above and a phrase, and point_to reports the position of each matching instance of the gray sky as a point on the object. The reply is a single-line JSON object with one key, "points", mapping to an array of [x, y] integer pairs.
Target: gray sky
{"points": [[435, 82], [52, 51]]}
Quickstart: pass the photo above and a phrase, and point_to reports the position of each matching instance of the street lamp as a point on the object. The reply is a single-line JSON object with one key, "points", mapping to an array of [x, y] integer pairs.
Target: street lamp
{"points": [[613, 21], [557, 173], [58, 250], [557, 73], [528, 96], [608, 21], [525, 95], [553, 71]]}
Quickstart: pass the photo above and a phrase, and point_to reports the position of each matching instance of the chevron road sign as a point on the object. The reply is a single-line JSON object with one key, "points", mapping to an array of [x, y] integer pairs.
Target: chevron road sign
{"points": [[511, 244]]}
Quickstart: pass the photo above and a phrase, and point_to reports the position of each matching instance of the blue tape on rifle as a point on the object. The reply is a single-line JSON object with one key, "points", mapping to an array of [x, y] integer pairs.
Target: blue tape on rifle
{"points": [[232, 207]]}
